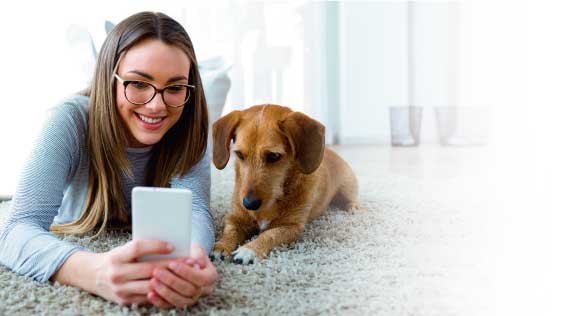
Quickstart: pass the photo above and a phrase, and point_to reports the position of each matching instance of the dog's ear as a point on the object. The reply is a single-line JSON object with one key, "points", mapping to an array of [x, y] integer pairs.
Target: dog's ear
{"points": [[307, 139], [223, 132]]}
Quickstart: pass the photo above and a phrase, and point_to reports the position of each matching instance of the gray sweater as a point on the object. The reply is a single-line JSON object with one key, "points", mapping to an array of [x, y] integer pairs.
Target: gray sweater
{"points": [[53, 186]]}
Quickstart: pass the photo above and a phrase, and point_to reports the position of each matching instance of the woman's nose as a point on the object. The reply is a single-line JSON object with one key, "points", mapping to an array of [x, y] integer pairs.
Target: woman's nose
{"points": [[157, 104]]}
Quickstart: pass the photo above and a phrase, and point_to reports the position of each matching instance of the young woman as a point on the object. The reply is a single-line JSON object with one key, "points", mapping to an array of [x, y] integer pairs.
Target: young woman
{"points": [[143, 121]]}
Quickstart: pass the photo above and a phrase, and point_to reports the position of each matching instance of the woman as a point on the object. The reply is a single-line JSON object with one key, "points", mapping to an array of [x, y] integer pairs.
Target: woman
{"points": [[143, 121]]}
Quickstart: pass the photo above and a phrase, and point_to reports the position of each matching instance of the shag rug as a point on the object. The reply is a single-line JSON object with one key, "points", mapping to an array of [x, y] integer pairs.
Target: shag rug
{"points": [[416, 247]]}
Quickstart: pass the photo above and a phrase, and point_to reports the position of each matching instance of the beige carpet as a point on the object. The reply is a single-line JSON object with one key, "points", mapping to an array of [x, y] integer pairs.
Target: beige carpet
{"points": [[417, 247]]}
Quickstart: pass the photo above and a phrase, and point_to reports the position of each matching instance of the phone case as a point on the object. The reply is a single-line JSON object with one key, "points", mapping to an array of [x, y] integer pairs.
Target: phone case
{"points": [[163, 214]]}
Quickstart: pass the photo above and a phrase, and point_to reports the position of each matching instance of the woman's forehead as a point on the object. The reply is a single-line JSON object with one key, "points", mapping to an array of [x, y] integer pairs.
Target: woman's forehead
{"points": [[155, 58]]}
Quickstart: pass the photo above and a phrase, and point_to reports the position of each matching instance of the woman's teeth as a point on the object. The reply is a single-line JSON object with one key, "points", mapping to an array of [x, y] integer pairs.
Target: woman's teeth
{"points": [[149, 120]]}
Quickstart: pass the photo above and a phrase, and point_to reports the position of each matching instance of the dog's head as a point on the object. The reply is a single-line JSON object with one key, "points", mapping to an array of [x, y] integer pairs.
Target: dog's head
{"points": [[271, 144]]}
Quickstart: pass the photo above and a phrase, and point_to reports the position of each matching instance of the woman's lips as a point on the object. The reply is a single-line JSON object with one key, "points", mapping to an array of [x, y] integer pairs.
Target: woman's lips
{"points": [[149, 122]]}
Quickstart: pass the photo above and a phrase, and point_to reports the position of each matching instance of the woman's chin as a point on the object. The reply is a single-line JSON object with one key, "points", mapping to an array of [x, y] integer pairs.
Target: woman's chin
{"points": [[147, 140]]}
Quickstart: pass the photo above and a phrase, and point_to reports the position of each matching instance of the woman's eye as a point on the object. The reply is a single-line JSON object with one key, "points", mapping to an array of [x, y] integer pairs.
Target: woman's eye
{"points": [[138, 85], [239, 155], [176, 89], [272, 157]]}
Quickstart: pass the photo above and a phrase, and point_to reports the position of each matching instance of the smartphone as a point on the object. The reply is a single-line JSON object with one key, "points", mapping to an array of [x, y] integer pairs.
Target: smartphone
{"points": [[163, 214]]}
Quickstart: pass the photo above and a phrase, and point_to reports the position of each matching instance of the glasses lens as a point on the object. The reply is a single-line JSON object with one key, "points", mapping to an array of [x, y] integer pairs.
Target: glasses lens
{"points": [[139, 92], [176, 95]]}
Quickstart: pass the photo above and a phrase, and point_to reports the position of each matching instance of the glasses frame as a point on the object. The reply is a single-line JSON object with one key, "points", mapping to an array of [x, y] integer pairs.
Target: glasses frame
{"points": [[125, 84]]}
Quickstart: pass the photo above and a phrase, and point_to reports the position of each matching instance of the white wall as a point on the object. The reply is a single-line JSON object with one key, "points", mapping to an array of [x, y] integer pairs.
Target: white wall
{"points": [[396, 54], [434, 53], [31, 60], [373, 63], [434, 61]]}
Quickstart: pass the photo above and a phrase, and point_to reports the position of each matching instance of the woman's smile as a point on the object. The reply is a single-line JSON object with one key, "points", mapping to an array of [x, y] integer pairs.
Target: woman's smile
{"points": [[150, 122]]}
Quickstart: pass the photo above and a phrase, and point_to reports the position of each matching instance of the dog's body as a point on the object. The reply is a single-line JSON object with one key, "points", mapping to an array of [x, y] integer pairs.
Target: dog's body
{"points": [[285, 178]]}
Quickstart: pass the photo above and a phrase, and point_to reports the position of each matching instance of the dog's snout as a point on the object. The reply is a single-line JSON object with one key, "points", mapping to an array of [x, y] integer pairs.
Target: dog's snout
{"points": [[251, 203]]}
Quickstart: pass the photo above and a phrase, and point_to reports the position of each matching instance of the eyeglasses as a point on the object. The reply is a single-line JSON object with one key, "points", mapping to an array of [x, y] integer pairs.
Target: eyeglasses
{"points": [[141, 92]]}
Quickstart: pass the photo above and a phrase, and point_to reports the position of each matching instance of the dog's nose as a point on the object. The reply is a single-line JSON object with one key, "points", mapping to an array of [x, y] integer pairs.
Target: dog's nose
{"points": [[251, 204]]}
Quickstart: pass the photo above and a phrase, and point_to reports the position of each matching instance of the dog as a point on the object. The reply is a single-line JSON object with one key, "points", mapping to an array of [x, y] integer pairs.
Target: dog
{"points": [[285, 177]]}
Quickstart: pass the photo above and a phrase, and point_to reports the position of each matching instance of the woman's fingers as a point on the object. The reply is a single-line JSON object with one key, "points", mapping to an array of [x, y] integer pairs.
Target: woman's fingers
{"points": [[175, 282], [139, 270], [139, 299], [132, 271], [157, 301], [207, 290], [133, 288], [181, 284], [194, 274], [164, 283], [169, 295], [138, 248], [198, 255]]}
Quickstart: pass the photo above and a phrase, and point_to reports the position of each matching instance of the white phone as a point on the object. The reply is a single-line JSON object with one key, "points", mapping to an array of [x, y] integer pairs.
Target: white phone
{"points": [[163, 214]]}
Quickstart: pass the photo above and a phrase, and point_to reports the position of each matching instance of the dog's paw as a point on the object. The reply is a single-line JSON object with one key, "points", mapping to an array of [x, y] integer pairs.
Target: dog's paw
{"points": [[215, 255], [219, 252], [244, 255], [353, 207]]}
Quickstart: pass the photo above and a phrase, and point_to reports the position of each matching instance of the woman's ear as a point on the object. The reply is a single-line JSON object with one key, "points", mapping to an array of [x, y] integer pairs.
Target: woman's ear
{"points": [[307, 139], [223, 132]]}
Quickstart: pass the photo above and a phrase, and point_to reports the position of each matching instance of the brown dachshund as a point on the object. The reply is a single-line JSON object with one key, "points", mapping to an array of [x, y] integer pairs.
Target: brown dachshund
{"points": [[284, 178]]}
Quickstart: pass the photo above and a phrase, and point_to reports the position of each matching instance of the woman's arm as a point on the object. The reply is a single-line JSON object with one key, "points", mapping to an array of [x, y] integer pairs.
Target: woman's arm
{"points": [[78, 270], [198, 180], [26, 245]]}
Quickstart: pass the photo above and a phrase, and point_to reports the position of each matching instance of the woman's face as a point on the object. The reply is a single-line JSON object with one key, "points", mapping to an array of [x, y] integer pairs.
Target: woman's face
{"points": [[161, 65]]}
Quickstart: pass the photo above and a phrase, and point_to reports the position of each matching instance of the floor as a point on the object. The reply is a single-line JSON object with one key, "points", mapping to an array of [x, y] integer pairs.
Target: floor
{"points": [[461, 241], [428, 242]]}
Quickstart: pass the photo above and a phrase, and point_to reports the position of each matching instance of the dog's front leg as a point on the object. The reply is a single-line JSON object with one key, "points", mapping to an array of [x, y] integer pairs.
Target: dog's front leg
{"points": [[262, 246], [238, 228]]}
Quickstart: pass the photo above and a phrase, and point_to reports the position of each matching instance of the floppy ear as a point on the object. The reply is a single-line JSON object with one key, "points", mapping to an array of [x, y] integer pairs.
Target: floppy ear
{"points": [[223, 132], [306, 137]]}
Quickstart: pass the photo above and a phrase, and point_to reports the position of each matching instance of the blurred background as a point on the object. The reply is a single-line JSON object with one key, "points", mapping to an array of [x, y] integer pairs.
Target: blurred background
{"points": [[503, 76], [373, 72]]}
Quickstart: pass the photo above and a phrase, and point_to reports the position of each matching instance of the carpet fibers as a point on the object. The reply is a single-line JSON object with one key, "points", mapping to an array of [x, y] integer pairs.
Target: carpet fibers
{"points": [[415, 247]]}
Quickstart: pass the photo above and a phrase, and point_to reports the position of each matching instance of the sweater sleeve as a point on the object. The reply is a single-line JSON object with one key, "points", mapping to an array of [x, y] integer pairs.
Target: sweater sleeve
{"points": [[26, 245], [198, 180]]}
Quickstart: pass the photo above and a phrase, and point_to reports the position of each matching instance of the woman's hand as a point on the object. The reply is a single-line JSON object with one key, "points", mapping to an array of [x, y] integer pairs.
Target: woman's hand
{"points": [[121, 279], [183, 281]]}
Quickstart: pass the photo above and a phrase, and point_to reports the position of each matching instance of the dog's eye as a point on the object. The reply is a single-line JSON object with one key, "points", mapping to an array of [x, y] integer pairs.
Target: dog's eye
{"points": [[272, 157], [239, 155]]}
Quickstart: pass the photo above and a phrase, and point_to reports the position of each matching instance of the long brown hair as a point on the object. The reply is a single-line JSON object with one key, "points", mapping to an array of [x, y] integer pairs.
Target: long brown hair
{"points": [[174, 155]]}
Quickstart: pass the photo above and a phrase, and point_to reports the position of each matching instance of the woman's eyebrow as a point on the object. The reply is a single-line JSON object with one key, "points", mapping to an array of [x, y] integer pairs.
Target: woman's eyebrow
{"points": [[143, 74], [150, 77], [176, 78]]}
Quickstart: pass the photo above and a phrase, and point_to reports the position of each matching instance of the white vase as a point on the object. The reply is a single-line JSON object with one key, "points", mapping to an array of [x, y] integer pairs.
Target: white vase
{"points": [[405, 125]]}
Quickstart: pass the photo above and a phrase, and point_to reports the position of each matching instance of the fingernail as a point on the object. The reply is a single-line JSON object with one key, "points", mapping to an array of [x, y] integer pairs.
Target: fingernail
{"points": [[169, 247], [173, 265], [190, 261]]}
